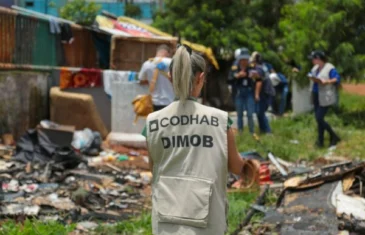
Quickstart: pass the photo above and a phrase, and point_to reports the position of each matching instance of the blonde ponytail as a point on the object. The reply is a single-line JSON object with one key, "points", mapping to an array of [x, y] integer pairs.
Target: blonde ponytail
{"points": [[181, 73], [184, 66]]}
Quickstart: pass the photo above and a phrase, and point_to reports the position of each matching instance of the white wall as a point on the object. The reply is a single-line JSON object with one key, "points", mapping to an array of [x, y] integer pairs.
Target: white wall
{"points": [[301, 99]]}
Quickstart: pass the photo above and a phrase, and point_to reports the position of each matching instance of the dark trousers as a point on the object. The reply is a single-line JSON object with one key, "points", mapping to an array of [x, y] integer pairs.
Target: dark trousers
{"points": [[245, 100], [261, 107], [158, 107], [320, 113]]}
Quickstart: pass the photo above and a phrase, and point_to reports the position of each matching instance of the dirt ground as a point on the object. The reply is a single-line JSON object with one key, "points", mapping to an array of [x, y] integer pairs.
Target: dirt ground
{"points": [[358, 89]]}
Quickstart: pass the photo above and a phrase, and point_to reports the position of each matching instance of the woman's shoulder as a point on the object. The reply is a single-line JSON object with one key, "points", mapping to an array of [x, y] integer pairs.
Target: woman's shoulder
{"points": [[212, 109]]}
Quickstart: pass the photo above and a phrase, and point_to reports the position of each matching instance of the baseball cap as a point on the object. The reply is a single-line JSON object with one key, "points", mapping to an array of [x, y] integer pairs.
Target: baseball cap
{"points": [[317, 54], [242, 54]]}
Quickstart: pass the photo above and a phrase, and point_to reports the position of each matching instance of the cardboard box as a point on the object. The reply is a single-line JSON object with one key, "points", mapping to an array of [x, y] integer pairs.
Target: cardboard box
{"points": [[61, 136]]}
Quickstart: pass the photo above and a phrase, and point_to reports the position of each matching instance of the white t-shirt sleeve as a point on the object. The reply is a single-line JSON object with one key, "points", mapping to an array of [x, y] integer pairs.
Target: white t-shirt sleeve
{"points": [[142, 74]]}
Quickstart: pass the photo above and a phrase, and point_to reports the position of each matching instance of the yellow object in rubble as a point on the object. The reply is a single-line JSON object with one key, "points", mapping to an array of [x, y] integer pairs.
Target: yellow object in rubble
{"points": [[109, 158]]}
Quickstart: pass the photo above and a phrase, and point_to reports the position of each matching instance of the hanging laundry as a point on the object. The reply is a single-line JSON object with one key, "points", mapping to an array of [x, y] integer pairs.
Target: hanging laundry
{"points": [[93, 78], [111, 76], [102, 44], [77, 78], [54, 27], [66, 33], [66, 77]]}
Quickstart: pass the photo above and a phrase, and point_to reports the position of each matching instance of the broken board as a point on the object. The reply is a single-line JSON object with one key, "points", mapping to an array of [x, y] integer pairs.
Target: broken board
{"points": [[306, 212]]}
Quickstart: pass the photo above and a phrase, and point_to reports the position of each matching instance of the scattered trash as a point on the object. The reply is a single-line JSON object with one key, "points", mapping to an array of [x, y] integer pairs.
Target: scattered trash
{"points": [[122, 158], [86, 226], [52, 182], [326, 196]]}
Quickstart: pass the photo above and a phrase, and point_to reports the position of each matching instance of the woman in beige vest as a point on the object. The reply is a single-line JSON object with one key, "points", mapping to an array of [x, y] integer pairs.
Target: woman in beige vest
{"points": [[192, 148], [324, 93]]}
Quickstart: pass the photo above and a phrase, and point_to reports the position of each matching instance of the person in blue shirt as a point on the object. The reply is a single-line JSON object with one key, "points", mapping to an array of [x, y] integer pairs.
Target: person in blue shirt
{"points": [[281, 84], [325, 80], [266, 95], [247, 81]]}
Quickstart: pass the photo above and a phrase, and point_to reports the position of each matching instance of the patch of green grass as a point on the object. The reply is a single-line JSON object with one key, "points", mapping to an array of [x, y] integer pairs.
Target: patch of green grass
{"points": [[239, 204], [349, 123], [140, 225], [35, 227]]}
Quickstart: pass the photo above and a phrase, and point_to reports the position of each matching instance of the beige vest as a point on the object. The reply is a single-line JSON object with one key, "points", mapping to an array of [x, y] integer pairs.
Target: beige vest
{"points": [[188, 145], [326, 93]]}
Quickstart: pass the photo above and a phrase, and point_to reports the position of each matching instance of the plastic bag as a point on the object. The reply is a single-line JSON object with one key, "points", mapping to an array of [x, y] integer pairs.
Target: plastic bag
{"points": [[82, 139]]}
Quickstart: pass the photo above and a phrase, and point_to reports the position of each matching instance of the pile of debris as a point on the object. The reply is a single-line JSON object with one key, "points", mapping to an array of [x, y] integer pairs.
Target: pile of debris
{"points": [[322, 197], [43, 180]]}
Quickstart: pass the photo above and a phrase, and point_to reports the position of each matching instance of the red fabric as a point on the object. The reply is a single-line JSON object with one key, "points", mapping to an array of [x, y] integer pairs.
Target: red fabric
{"points": [[82, 78]]}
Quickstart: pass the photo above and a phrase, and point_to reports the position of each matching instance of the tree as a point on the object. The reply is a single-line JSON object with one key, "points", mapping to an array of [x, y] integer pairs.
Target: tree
{"points": [[131, 9], [335, 26], [224, 25], [80, 11]]}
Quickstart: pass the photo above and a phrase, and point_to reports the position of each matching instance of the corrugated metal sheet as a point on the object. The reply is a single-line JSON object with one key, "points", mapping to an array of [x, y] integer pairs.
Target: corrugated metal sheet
{"points": [[7, 32], [82, 51], [44, 47], [26, 40]]}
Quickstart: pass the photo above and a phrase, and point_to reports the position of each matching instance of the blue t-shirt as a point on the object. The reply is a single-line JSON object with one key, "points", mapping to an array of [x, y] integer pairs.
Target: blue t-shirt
{"points": [[333, 74]]}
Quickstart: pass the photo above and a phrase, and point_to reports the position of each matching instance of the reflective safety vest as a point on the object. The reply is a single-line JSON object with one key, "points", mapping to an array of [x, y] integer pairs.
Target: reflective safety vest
{"points": [[188, 145]]}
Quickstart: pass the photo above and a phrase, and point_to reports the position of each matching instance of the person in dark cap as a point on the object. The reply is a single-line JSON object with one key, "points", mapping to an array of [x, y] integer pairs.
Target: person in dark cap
{"points": [[266, 94], [247, 83], [325, 79]]}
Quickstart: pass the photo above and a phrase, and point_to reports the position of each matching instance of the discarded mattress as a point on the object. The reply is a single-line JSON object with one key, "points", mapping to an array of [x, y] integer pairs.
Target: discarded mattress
{"points": [[78, 110]]}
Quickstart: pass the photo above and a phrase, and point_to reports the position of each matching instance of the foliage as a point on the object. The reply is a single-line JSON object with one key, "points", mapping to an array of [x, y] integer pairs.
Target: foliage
{"points": [[334, 26], [133, 10], [52, 4], [224, 25], [35, 227], [80, 11], [285, 31]]}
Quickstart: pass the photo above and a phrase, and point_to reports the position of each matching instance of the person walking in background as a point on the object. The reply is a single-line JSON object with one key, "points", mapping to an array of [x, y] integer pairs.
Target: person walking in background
{"points": [[266, 94], [247, 81], [191, 149], [280, 83], [325, 80], [163, 93]]}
